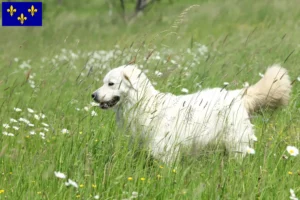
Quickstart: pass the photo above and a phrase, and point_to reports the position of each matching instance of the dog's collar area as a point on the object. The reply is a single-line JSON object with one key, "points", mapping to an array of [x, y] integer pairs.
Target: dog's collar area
{"points": [[109, 104]]}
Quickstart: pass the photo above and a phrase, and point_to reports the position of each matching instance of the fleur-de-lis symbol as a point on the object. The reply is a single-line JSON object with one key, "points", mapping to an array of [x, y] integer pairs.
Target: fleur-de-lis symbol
{"points": [[22, 18], [32, 10], [11, 10]]}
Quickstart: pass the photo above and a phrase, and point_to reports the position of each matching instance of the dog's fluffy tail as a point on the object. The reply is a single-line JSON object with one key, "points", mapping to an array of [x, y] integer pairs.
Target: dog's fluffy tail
{"points": [[273, 90]]}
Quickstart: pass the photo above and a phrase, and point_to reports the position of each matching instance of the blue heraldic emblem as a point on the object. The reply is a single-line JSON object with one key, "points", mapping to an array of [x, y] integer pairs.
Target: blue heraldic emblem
{"points": [[22, 14]]}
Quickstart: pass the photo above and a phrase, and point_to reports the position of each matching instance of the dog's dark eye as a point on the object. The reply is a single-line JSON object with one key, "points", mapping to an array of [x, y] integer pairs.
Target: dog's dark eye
{"points": [[110, 84]]}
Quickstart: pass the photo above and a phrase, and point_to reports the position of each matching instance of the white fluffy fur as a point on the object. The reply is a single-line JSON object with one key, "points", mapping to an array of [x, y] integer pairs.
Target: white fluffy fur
{"points": [[168, 122]]}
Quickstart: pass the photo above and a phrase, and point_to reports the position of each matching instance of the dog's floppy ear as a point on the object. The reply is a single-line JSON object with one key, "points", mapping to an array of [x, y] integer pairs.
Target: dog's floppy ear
{"points": [[126, 78]]}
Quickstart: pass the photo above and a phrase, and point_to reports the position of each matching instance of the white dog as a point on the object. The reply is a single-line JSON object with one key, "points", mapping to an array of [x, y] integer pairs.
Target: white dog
{"points": [[168, 122]]}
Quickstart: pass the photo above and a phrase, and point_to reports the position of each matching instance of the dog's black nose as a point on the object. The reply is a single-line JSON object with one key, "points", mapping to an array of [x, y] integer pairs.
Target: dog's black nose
{"points": [[94, 96]]}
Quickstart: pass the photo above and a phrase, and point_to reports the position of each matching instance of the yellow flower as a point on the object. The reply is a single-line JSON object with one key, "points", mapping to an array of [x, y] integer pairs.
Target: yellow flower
{"points": [[96, 140], [39, 192], [2, 191], [290, 173], [94, 185], [174, 170], [10, 173], [80, 132], [81, 185], [130, 178], [159, 176], [78, 195], [143, 179], [161, 167]]}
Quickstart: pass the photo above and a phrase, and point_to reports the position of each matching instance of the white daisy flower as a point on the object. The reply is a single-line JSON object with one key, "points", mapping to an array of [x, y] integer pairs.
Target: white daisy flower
{"points": [[45, 129], [134, 195], [78, 109], [17, 109], [44, 124], [12, 120], [96, 196], [8, 134], [60, 175], [184, 90], [42, 115], [86, 108], [293, 196], [158, 73], [32, 133], [94, 104], [293, 151], [31, 125], [42, 134], [30, 110], [16, 128], [225, 83], [70, 182], [298, 78], [94, 113], [260, 74], [246, 84], [24, 120], [250, 150], [64, 131], [6, 126], [36, 117]]}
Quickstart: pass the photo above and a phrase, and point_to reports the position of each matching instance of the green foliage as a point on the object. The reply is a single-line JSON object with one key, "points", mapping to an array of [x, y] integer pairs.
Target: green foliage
{"points": [[242, 37]]}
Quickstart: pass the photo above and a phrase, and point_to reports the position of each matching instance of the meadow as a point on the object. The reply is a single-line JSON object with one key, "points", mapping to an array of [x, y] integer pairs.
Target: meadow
{"points": [[49, 124]]}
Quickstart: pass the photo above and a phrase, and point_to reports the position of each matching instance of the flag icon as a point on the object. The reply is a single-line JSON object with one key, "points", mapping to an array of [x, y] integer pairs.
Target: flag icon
{"points": [[22, 14]]}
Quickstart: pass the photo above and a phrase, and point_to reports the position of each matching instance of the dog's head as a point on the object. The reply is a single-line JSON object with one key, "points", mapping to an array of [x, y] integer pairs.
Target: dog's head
{"points": [[117, 84]]}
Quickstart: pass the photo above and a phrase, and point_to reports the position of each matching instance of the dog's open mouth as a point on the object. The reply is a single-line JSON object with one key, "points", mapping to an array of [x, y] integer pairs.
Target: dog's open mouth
{"points": [[109, 104]]}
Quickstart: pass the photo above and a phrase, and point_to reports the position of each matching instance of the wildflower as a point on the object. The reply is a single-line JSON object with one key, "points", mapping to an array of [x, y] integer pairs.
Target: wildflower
{"points": [[130, 178], [143, 179], [8, 134], [159, 176], [32, 133], [30, 110], [31, 125], [293, 151], [81, 185], [80, 132], [24, 120], [6, 126], [94, 113], [158, 73], [44, 124], [94, 185], [12, 120], [36, 117], [17, 109], [260, 74], [290, 173], [174, 170], [16, 128], [39, 192], [78, 196], [250, 150], [86, 108], [60, 175], [42, 115], [96, 196], [94, 104], [64, 131], [70, 182], [184, 90], [293, 196], [298, 78], [161, 167], [225, 83], [2, 191], [246, 84], [45, 129], [134, 195]]}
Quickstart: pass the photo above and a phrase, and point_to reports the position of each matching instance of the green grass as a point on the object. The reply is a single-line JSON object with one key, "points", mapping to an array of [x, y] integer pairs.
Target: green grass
{"points": [[243, 38]]}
